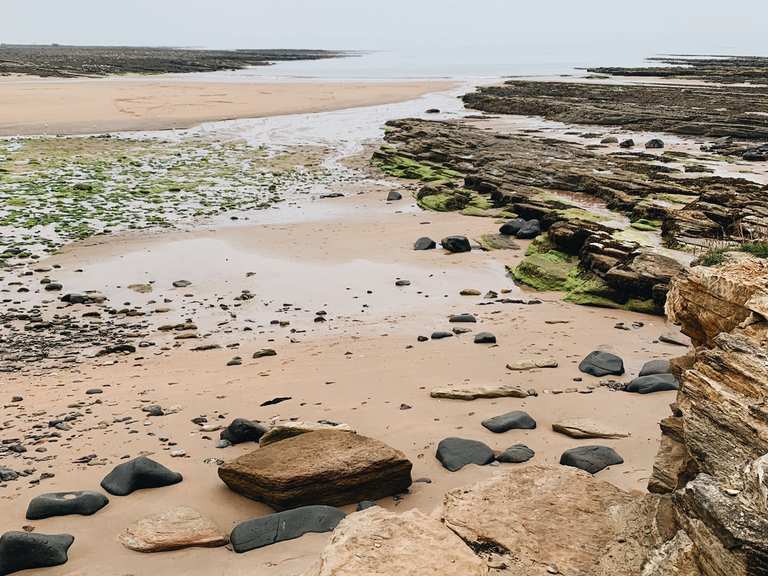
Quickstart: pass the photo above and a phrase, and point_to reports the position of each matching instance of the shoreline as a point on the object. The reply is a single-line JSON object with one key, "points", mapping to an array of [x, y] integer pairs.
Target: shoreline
{"points": [[39, 107]]}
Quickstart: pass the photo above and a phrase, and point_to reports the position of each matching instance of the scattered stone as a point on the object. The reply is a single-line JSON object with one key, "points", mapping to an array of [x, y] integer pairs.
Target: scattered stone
{"points": [[282, 526], [516, 420], [455, 453], [532, 364], [277, 400], [456, 244], [440, 334], [393, 196], [27, 551], [654, 144], [153, 410], [462, 318], [235, 361], [587, 428], [591, 459], [138, 474], [530, 230], [485, 338], [182, 527], [629, 143], [516, 454], [475, 392], [470, 292], [512, 227], [600, 363], [424, 244], [263, 353], [402, 283], [242, 430], [181, 283], [653, 383], [662, 366], [65, 504], [329, 467], [93, 391]]}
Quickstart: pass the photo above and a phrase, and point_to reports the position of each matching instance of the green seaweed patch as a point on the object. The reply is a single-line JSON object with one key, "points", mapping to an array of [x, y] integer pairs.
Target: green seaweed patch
{"points": [[646, 225], [498, 242], [407, 168], [546, 271]]}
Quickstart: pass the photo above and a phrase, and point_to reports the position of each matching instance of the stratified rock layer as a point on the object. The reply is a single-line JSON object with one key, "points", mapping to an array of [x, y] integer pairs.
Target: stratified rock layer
{"points": [[329, 467]]}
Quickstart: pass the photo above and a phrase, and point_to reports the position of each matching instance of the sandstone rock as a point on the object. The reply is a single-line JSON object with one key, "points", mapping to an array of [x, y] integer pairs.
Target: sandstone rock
{"points": [[182, 527], [587, 428], [289, 429], [328, 467], [378, 542], [540, 516], [475, 392], [532, 364]]}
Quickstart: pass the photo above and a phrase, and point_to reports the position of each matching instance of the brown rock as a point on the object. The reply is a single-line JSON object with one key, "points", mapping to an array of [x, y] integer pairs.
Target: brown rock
{"points": [[587, 428], [377, 541], [475, 392], [532, 364], [289, 429], [182, 527], [329, 467]]}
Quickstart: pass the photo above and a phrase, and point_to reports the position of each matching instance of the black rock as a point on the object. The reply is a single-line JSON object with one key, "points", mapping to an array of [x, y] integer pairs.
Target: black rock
{"points": [[242, 430], [440, 335], [138, 474], [394, 196], [424, 243], [512, 227], [516, 420], [485, 338], [27, 550], [264, 353], [516, 454], [654, 143], [456, 244], [422, 338], [277, 400], [531, 229], [364, 505], [8, 475], [181, 283], [662, 366], [462, 318], [455, 453], [629, 143], [153, 410], [599, 363], [591, 459], [653, 383], [65, 503], [433, 111], [283, 526], [402, 283], [609, 140]]}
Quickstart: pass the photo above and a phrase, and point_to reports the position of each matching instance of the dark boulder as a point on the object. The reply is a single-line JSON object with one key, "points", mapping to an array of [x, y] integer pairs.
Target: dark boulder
{"points": [[531, 229], [138, 474], [439, 335], [661, 366], [629, 143], [462, 318], [282, 526], [27, 551], [394, 195], [456, 244], [653, 383], [516, 454], [654, 144], [516, 420], [424, 243], [485, 338], [242, 430], [512, 227], [455, 453], [591, 459], [600, 363], [65, 504]]}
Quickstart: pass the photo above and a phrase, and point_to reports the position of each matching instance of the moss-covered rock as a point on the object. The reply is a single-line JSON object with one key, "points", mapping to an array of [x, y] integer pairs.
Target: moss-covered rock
{"points": [[400, 166]]}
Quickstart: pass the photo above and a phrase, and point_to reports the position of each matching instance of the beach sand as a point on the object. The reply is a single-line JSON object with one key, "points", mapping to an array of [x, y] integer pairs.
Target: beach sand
{"points": [[31, 106]]}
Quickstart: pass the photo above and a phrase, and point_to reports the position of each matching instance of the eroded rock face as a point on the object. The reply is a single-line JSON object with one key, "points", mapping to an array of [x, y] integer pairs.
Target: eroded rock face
{"points": [[539, 516], [376, 541], [328, 467], [714, 454]]}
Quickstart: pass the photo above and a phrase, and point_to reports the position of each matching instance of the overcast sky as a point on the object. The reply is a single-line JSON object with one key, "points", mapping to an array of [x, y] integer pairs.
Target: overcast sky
{"points": [[612, 26]]}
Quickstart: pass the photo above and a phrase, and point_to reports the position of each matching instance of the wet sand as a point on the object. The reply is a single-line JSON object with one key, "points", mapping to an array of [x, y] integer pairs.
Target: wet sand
{"points": [[39, 106], [357, 368]]}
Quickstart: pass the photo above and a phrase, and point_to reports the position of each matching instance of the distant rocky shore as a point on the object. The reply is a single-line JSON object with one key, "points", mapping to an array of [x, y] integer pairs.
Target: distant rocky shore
{"points": [[83, 61]]}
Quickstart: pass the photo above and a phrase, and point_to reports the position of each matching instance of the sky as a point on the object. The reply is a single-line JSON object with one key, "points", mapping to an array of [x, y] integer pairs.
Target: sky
{"points": [[597, 27]]}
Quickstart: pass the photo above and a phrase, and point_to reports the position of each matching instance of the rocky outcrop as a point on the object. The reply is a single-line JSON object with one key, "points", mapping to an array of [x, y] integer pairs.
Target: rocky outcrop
{"points": [[713, 459], [327, 467], [376, 541]]}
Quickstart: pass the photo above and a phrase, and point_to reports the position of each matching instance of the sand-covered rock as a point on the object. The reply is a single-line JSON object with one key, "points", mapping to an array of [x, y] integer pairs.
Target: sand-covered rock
{"points": [[182, 527], [377, 541], [329, 467], [475, 392]]}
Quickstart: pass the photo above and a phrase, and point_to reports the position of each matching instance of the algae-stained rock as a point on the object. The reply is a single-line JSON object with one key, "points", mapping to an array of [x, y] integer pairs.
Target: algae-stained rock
{"points": [[325, 467], [587, 428], [475, 392], [182, 527], [65, 503], [285, 525], [29, 550], [378, 542], [138, 474], [547, 271], [563, 517]]}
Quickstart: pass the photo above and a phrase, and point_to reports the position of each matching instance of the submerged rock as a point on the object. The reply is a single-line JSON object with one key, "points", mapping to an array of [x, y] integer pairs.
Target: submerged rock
{"points": [[138, 474], [329, 467], [282, 526]]}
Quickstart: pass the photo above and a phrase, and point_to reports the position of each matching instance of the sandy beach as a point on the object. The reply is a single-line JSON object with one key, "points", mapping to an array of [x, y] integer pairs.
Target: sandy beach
{"points": [[87, 106]]}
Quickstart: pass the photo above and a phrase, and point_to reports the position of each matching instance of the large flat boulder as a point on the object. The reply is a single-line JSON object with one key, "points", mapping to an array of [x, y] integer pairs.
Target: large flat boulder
{"points": [[541, 517], [378, 542], [327, 467]]}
